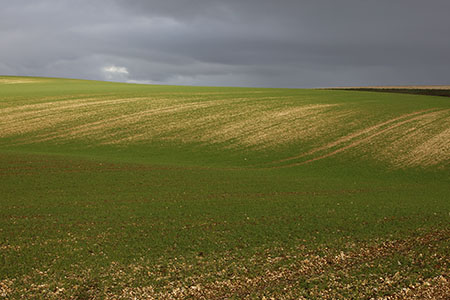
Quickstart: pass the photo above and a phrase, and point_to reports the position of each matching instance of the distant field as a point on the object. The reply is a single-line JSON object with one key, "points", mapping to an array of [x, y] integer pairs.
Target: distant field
{"points": [[125, 191]]}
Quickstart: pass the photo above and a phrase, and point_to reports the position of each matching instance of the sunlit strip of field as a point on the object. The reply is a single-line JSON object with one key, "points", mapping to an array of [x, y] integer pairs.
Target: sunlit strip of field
{"points": [[249, 120]]}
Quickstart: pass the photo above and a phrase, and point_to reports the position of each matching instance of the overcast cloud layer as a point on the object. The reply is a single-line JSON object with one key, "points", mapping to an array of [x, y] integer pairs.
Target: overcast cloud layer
{"points": [[230, 42]]}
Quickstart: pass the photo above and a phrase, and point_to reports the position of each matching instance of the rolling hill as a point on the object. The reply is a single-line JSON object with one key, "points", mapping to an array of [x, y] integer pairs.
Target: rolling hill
{"points": [[113, 190]]}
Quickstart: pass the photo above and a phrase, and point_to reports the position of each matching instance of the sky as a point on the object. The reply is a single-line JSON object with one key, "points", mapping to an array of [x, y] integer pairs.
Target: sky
{"points": [[260, 43]]}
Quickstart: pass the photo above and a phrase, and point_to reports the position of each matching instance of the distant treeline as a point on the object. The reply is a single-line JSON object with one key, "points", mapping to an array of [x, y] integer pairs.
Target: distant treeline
{"points": [[429, 92]]}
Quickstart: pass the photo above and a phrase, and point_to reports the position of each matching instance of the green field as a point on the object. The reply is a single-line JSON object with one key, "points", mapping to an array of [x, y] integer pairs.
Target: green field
{"points": [[124, 191]]}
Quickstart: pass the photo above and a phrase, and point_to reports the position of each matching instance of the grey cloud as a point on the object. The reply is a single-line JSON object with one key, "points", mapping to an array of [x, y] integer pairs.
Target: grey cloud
{"points": [[235, 42]]}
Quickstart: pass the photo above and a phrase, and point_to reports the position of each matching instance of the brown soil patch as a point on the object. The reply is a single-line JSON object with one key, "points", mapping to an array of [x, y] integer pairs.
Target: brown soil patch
{"points": [[296, 273], [332, 269], [437, 288]]}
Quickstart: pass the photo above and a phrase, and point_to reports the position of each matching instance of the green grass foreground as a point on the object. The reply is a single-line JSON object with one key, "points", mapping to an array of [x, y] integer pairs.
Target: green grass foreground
{"points": [[123, 191]]}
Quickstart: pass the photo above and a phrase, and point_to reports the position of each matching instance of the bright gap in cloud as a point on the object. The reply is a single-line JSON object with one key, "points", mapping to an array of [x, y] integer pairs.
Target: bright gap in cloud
{"points": [[114, 69], [115, 73]]}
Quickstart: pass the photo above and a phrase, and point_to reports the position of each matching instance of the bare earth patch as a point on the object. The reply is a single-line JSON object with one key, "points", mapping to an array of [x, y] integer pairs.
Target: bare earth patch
{"points": [[281, 274]]}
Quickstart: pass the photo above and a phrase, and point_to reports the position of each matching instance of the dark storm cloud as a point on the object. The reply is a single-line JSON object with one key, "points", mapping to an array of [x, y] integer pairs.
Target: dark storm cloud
{"points": [[246, 42]]}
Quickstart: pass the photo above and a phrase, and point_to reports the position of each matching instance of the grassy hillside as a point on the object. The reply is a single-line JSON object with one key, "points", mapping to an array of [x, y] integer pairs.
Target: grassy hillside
{"points": [[113, 190]]}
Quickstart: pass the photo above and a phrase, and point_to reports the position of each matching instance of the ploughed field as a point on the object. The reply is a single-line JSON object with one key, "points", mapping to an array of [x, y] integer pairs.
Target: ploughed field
{"points": [[124, 191]]}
